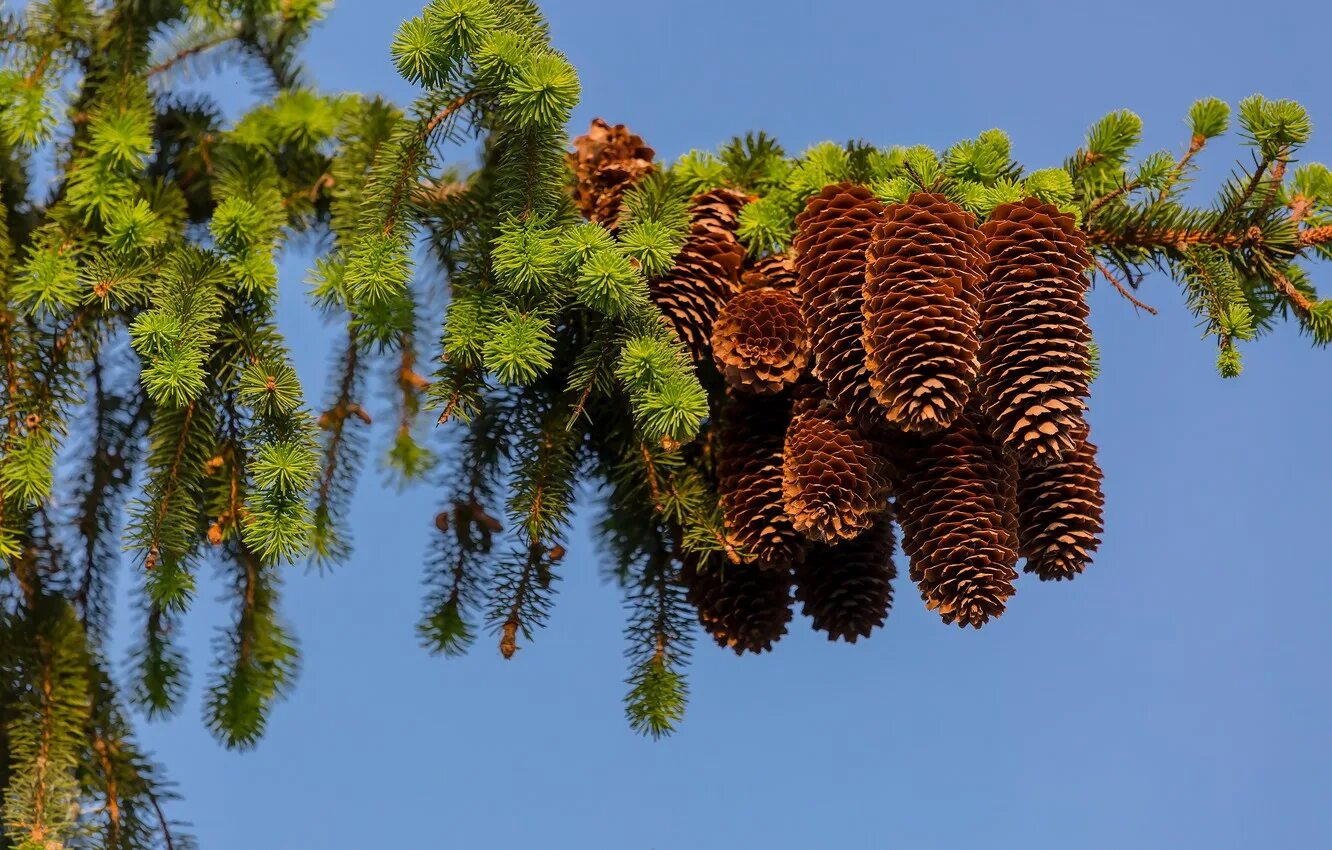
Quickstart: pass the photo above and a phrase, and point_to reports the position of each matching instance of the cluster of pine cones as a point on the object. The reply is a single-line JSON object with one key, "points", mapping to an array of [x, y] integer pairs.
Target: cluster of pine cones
{"points": [[903, 366]]}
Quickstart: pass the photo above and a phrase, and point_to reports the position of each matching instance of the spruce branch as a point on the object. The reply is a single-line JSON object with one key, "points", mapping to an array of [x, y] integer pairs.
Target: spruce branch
{"points": [[195, 49], [1121, 289]]}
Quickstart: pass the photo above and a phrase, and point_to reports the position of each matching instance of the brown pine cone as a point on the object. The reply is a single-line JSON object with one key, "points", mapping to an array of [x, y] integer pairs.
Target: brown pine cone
{"points": [[607, 161], [921, 293], [832, 233], [957, 525], [749, 472], [776, 271], [741, 606], [833, 477], [847, 588], [706, 272], [759, 341], [1034, 334], [1060, 506]]}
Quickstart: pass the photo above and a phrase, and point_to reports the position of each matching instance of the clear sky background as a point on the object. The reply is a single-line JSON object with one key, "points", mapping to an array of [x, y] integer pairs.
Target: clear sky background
{"points": [[1176, 696]]}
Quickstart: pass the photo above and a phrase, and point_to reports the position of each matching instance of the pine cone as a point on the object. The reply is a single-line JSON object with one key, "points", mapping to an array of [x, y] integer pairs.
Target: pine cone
{"points": [[833, 476], [922, 290], [1060, 512], [776, 271], [832, 233], [741, 606], [847, 588], [749, 471], [957, 524], [706, 272], [1034, 334], [759, 341], [607, 162]]}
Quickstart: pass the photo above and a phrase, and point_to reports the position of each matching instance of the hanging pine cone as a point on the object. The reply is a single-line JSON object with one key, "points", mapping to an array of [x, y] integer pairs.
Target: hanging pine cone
{"points": [[832, 233], [749, 472], [922, 290], [833, 476], [776, 271], [957, 525], [1034, 334], [706, 272], [741, 606], [847, 588], [1060, 508], [759, 341], [607, 161]]}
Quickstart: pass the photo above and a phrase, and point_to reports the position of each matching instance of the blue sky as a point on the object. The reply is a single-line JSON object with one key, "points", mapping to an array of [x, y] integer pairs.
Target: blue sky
{"points": [[1175, 696]]}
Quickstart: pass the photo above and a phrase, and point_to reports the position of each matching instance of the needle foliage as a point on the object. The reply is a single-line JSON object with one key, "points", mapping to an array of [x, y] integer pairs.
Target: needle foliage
{"points": [[152, 423]]}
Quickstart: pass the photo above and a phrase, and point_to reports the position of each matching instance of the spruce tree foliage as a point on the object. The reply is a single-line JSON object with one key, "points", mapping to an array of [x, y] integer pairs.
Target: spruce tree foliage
{"points": [[151, 414]]}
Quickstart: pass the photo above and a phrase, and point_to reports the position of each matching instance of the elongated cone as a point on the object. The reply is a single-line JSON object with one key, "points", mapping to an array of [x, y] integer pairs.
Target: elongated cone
{"points": [[847, 588], [957, 524], [833, 476], [741, 606], [832, 233], [607, 161], [776, 271], [1060, 508], [1034, 334], [759, 341], [921, 294], [749, 471], [706, 272]]}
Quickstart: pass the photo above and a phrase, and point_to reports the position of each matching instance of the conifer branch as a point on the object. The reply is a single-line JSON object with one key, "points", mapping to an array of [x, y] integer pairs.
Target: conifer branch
{"points": [[102, 749], [1313, 237], [1123, 189], [407, 173], [172, 482], [1298, 300], [334, 420], [1275, 181], [1196, 144], [1166, 238], [163, 823], [194, 50], [1119, 287]]}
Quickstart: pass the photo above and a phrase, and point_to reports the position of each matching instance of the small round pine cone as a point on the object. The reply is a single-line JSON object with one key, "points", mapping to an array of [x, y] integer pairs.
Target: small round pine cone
{"points": [[847, 588], [749, 473], [833, 477], [1060, 512], [741, 606], [775, 271], [921, 292], [706, 272], [832, 233], [607, 161], [759, 341], [1034, 357], [957, 525]]}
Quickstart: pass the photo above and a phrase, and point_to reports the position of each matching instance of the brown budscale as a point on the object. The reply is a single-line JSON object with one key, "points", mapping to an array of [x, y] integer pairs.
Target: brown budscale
{"points": [[832, 233], [607, 161], [775, 271], [1060, 506], [1034, 358], [833, 477], [706, 272], [749, 472], [759, 341], [847, 588], [921, 294], [957, 524], [741, 606]]}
